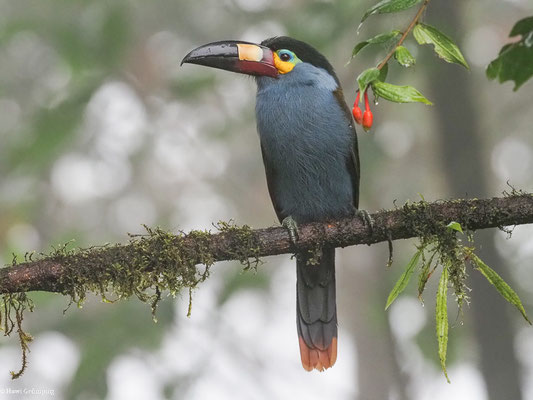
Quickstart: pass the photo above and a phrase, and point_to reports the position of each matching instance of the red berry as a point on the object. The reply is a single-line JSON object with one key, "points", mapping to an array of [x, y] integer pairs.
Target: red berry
{"points": [[368, 118], [357, 114]]}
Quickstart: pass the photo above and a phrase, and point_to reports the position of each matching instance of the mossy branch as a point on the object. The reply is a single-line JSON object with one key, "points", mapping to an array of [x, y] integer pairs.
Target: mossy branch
{"points": [[166, 261], [159, 261]]}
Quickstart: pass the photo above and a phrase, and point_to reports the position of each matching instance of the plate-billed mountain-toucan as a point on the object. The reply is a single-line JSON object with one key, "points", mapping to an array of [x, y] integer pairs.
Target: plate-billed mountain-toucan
{"points": [[309, 148]]}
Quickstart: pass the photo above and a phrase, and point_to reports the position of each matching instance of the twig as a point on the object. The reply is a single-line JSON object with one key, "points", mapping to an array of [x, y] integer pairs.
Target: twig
{"points": [[407, 31]]}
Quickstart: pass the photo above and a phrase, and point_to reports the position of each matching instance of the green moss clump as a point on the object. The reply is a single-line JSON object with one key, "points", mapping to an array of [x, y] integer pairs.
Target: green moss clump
{"points": [[145, 267], [245, 248], [442, 245]]}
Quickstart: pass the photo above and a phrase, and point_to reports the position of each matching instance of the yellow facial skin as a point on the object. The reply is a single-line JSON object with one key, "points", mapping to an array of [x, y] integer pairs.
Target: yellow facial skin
{"points": [[285, 66], [282, 66], [250, 52]]}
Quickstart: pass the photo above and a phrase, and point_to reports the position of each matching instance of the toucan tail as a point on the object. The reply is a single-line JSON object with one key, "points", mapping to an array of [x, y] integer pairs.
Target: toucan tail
{"points": [[316, 310]]}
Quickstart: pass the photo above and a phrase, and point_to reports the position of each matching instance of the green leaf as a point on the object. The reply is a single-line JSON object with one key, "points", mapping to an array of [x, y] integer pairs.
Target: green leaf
{"points": [[401, 284], [444, 45], [496, 280], [379, 39], [441, 316], [383, 73], [389, 6], [425, 274], [515, 60], [399, 94], [366, 77], [522, 27], [455, 226], [423, 278], [495, 68], [404, 58]]}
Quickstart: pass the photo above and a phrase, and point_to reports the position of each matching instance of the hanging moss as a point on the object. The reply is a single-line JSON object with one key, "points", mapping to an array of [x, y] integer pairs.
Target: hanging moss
{"points": [[147, 266], [12, 308]]}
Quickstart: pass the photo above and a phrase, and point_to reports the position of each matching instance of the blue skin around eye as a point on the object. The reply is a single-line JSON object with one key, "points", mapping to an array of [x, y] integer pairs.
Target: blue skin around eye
{"points": [[290, 53]]}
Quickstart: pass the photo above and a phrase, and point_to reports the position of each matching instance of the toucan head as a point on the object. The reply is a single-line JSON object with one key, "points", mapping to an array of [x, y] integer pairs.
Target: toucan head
{"points": [[274, 57]]}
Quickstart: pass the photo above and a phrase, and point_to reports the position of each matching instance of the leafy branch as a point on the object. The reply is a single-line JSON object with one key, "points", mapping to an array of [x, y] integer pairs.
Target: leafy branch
{"points": [[376, 77], [514, 62], [447, 251], [404, 36], [444, 46]]}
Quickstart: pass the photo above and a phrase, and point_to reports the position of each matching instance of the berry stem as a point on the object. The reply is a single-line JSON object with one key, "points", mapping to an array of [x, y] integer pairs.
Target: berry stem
{"points": [[367, 104], [356, 99]]}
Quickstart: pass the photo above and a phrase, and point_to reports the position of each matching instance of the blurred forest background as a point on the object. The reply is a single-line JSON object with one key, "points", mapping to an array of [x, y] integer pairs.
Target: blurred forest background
{"points": [[102, 131]]}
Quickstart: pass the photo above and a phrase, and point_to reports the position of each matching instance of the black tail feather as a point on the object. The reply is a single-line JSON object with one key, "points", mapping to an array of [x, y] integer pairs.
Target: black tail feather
{"points": [[315, 303]]}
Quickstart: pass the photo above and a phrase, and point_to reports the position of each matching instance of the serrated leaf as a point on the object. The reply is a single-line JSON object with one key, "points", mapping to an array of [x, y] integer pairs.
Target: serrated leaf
{"points": [[378, 39], [522, 27], [404, 57], [366, 77], [444, 46], [456, 226], [399, 94], [441, 318], [401, 284], [389, 6], [503, 288]]}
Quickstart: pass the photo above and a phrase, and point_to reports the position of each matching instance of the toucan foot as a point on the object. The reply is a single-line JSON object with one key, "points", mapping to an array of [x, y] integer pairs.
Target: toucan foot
{"points": [[367, 219], [292, 227]]}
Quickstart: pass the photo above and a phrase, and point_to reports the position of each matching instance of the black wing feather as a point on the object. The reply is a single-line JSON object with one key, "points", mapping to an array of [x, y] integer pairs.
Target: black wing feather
{"points": [[352, 162], [271, 177]]}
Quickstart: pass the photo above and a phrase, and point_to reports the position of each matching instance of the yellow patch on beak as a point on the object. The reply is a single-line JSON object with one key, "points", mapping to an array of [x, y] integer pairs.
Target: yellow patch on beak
{"points": [[250, 52], [282, 66]]}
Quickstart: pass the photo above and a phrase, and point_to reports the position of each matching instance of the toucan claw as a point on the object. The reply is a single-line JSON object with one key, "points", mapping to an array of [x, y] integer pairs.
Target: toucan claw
{"points": [[366, 218], [292, 227]]}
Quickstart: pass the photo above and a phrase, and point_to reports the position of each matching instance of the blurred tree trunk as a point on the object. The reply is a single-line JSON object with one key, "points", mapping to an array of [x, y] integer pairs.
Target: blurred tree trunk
{"points": [[363, 290], [467, 170]]}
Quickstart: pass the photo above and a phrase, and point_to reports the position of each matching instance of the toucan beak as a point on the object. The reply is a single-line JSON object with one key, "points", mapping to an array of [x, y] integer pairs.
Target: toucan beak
{"points": [[235, 56]]}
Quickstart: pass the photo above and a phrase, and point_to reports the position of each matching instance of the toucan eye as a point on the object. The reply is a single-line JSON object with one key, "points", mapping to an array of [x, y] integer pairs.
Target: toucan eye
{"points": [[284, 55]]}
